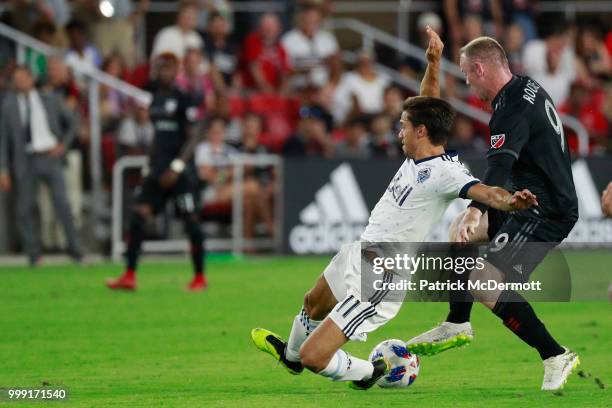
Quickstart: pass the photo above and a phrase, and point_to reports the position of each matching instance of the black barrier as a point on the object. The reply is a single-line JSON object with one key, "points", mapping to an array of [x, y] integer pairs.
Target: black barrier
{"points": [[327, 202]]}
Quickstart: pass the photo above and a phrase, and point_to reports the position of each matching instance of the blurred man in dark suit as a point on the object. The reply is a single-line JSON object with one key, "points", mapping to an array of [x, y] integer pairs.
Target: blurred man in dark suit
{"points": [[35, 129]]}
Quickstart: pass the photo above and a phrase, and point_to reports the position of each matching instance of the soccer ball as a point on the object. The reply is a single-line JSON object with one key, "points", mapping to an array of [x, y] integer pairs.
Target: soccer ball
{"points": [[404, 365]]}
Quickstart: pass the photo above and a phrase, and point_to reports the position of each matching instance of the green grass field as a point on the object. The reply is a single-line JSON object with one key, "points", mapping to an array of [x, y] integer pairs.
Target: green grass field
{"points": [[162, 346]]}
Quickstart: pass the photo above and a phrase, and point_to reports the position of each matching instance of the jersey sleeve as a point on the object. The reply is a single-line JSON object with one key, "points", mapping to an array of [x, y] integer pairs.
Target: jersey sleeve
{"points": [[509, 135], [457, 180]]}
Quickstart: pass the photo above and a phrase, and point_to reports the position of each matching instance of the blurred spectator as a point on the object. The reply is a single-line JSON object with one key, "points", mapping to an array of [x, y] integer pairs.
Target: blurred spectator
{"points": [[384, 142], [314, 52], [588, 106], [209, 8], [360, 91], [60, 83], [254, 139], [213, 157], [36, 128], [311, 138], [81, 52], [115, 26], [111, 100], [551, 62], [356, 144], [258, 180], [220, 51], [593, 58], [606, 201], [178, 38], [464, 136], [195, 81], [265, 61], [467, 17], [393, 101], [136, 132], [522, 14], [44, 31], [513, 44], [25, 13], [414, 67], [473, 27]]}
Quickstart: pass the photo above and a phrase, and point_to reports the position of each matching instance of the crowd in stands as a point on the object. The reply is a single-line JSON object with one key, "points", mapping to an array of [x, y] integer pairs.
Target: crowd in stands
{"points": [[285, 89]]}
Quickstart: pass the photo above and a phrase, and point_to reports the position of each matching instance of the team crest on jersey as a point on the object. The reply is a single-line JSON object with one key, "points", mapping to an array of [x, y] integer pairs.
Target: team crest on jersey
{"points": [[423, 175], [498, 141]]}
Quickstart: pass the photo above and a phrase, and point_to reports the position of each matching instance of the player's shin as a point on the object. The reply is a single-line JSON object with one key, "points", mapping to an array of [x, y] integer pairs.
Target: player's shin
{"points": [[344, 367], [196, 239], [303, 325], [520, 318], [136, 237]]}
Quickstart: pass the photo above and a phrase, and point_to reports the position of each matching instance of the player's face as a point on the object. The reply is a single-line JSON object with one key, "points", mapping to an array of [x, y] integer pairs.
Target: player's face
{"points": [[407, 135], [473, 77]]}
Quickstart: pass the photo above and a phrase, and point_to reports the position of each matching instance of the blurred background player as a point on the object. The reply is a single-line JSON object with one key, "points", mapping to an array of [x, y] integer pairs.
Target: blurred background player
{"points": [[171, 175]]}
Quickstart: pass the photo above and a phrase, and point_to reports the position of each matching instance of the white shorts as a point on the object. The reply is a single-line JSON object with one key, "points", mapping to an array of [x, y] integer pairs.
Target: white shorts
{"points": [[353, 316]]}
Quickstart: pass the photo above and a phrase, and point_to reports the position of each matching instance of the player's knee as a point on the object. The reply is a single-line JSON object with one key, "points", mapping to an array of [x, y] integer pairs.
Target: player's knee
{"points": [[311, 359]]}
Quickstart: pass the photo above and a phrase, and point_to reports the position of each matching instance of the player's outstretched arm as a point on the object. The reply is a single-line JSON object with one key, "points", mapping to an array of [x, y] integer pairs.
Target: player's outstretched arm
{"points": [[501, 199], [430, 85]]}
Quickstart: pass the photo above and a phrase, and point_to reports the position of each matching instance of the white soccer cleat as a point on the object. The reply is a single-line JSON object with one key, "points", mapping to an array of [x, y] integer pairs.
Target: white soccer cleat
{"points": [[558, 368], [442, 337]]}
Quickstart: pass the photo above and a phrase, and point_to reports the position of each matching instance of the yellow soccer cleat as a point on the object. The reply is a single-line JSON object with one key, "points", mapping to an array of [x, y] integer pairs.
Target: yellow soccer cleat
{"points": [[274, 345]]}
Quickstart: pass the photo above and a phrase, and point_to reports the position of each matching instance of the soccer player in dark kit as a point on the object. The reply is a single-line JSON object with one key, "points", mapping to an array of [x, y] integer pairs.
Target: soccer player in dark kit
{"points": [[529, 148], [171, 176]]}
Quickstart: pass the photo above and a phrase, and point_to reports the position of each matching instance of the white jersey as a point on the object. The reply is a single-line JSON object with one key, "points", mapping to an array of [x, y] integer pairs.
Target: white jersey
{"points": [[416, 199]]}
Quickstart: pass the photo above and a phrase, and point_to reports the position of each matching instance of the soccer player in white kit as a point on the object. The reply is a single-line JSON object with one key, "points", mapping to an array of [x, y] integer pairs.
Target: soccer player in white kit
{"points": [[414, 202]]}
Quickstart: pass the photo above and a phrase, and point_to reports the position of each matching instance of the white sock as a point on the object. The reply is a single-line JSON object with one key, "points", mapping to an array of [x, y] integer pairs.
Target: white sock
{"points": [[303, 325], [344, 367]]}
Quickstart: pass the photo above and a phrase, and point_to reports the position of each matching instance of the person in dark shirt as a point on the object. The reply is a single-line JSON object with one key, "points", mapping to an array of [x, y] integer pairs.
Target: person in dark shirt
{"points": [[312, 138], [171, 173], [221, 51], [528, 149]]}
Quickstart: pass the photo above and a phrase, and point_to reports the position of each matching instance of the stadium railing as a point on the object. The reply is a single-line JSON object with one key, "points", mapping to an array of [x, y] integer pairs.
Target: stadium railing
{"points": [[236, 243], [371, 34]]}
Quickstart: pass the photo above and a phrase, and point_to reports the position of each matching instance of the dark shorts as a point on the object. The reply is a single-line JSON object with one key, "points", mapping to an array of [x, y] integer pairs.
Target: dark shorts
{"points": [[519, 241], [184, 193]]}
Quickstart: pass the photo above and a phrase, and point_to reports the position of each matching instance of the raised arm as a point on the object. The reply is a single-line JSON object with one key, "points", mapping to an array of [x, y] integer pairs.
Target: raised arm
{"points": [[430, 85]]}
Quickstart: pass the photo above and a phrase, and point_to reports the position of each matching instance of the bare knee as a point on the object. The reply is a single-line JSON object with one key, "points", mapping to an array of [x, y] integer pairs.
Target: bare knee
{"points": [[311, 359]]}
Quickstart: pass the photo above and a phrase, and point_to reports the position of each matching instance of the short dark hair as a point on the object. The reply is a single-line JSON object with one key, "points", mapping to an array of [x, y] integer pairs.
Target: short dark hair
{"points": [[435, 114], [76, 25]]}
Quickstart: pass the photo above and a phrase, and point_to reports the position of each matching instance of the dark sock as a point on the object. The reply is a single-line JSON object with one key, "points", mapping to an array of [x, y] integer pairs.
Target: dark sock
{"points": [[135, 241], [518, 316], [461, 301], [196, 237], [459, 311]]}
